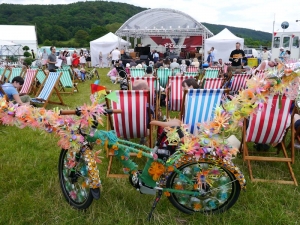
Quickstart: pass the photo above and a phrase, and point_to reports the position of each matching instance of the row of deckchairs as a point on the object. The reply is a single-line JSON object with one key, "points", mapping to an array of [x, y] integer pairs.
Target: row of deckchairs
{"points": [[267, 126], [57, 82]]}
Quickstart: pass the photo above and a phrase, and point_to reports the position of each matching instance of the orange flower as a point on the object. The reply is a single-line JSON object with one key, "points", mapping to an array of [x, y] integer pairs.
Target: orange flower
{"points": [[178, 187], [170, 168], [98, 141], [167, 193], [156, 170], [197, 206]]}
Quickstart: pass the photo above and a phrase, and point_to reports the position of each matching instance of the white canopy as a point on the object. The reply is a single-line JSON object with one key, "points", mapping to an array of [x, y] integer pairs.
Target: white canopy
{"points": [[10, 48], [223, 43], [106, 44], [24, 35]]}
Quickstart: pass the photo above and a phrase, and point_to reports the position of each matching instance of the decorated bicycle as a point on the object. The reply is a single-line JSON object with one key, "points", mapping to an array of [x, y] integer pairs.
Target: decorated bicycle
{"points": [[195, 172]]}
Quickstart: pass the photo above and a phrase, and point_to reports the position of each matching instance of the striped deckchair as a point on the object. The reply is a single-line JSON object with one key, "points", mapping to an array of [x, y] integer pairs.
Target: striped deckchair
{"points": [[192, 69], [174, 93], [137, 72], [163, 75], [28, 81], [211, 73], [152, 84], [132, 122], [67, 81], [46, 89], [6, 74], [213, 83], [239, 82], [176, 71], [269, 126], [14, 73], [199, 105]]}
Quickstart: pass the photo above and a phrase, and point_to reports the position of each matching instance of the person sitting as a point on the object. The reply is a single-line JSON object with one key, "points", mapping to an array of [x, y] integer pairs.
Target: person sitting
{"points": [[144, 65], [159, 64], [133, 63], [113, 74], [82, 73], [11, 90], [195, 63], [166, 63], [190, 83], [149, 72], [127, 68], [182, 66], [266, 65], [174, 64]]}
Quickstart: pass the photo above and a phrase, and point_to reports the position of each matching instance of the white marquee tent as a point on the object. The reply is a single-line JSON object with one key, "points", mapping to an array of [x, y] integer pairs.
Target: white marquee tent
{"points": [[24, 35], [105, 44], [223, 43]]}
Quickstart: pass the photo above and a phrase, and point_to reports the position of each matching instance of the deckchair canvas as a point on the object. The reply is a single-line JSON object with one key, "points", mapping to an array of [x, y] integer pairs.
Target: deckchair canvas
{"points": [[28, 81], [46, 89], [14, 73], [66, 81], [163, 75], [213, 83], [137, 72], [199, 105]]}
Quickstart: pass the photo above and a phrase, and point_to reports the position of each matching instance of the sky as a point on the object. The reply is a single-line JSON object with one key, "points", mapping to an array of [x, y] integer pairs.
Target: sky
{"points": [[252, 14]]}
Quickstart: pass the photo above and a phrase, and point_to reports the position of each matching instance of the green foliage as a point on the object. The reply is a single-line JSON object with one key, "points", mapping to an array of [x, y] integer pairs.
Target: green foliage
{"points": [[28, 61], [25, 48], [47, 42], [27, 54], [98, 31], [81, 37], [13, 59]]}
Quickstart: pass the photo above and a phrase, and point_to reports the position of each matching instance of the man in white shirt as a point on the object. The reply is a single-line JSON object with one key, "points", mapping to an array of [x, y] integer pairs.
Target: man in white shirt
{"points": [[115, 55], [265, 55], [174, 64]]}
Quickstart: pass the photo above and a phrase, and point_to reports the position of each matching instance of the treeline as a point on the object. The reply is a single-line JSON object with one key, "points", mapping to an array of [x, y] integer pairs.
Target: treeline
{"points": [[79, 22], [252, 37], [76, 24]]}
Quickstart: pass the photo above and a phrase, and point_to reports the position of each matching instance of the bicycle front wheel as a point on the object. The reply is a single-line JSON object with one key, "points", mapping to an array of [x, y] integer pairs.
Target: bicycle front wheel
{"points": [[217, 188], [73, 178]]}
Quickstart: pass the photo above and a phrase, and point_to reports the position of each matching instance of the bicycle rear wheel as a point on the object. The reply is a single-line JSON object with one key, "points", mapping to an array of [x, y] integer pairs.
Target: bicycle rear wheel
{"points": [[218, 188], [73, 179]]}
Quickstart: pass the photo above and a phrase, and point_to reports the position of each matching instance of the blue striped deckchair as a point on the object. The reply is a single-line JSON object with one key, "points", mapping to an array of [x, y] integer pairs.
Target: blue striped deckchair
{"points": [[137, 72], [163, 75], [66, 81], [199, 105], [28, 81], [176, 71], [5, 75], [14, 73], [46, 89]]}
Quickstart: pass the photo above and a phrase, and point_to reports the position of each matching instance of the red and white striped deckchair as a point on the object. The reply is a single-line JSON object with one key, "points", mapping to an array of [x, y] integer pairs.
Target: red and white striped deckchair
{"points": [[151, 83], [132, 122], [239, 82], [28, 81], [192, 69], [269, 126], [175, 93], [213, 83]]}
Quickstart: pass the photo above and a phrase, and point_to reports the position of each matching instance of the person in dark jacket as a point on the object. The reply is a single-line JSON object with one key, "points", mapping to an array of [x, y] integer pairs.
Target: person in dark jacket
{"points": [[237, 56]]}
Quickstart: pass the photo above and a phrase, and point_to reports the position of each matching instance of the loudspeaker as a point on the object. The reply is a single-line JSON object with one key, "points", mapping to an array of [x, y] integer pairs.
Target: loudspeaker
{"points": [[143, 57]]}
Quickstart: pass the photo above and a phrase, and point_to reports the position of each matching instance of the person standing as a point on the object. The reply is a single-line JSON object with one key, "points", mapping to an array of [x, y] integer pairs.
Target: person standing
{"points": [[88, 59], [281, 54], [213, 57], [44, 58], [52, 60], [155, 56], [265, 55], [82, 58], [33, 54], [115, 55], [75, 59], [100, 60], [237, 56]]}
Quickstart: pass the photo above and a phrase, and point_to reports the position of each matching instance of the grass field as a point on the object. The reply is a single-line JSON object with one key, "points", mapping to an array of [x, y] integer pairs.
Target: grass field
{"points": [[30, 192]]}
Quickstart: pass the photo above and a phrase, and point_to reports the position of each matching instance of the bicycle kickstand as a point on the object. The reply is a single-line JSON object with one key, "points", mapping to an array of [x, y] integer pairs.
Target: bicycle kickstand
{"points": [[156, 200]]}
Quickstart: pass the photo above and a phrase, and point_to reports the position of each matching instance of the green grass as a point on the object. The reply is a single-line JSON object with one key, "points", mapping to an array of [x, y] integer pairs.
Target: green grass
{"points": [[30, 192]]}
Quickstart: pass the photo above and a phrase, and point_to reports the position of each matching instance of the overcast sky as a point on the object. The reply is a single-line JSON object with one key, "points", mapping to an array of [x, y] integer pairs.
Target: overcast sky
{"points": [[253, 14]]}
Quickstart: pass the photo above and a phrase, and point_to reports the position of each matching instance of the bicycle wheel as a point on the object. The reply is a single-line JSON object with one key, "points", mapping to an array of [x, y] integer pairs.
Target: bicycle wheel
{"points": [[218, 188], [97, 74], [74, 179], [88, 75]]}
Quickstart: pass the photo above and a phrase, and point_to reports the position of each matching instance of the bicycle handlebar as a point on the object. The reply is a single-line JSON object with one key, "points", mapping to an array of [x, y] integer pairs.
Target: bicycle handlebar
{"points": [[75, 112]]}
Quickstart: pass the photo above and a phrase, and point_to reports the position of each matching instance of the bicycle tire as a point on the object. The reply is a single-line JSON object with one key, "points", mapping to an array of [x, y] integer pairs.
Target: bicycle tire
{"points": [[215, 199], [97, 74], [76, 194], [88, 75]]}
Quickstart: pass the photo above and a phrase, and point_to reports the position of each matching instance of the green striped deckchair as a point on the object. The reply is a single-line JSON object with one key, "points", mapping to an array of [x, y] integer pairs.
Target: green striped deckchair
{"points": [[14, 73], [194, 74], [46, 89], [175, 71], [5, 75], [137, 72], [211, 73], [66, 81], [163, 75]]}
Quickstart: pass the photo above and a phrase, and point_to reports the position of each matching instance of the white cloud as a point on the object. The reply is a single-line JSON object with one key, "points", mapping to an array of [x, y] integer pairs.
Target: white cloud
{"points": [[254, 14]]}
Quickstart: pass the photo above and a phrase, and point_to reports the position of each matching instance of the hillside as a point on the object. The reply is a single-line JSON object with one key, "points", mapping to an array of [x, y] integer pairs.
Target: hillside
{"points": [[85, 21]]}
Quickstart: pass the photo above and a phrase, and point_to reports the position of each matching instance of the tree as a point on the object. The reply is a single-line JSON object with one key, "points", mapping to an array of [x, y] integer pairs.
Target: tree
{"points": [[81, 36], [98, 31]]}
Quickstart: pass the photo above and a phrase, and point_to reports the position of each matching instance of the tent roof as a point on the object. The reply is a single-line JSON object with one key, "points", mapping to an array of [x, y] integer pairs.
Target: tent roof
{"points": [[109, 38], [225, 34], [3, 42], [161, 21], [17, 32]]}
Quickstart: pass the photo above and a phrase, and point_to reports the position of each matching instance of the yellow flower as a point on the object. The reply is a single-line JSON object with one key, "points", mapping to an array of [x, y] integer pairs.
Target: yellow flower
{"points": [[140, 154]]}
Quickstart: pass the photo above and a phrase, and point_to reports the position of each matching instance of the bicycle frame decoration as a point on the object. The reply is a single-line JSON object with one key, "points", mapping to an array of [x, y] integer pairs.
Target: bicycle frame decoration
{"points": [[210, 142]]}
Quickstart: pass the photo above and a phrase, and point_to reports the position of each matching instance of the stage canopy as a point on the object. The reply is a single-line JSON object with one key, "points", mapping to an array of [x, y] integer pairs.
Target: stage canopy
{"points": [[162, 22]]}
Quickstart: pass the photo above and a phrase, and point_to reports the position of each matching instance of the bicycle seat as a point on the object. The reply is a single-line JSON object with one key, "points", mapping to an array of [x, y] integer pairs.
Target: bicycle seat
{"points": [[170, 123]]}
